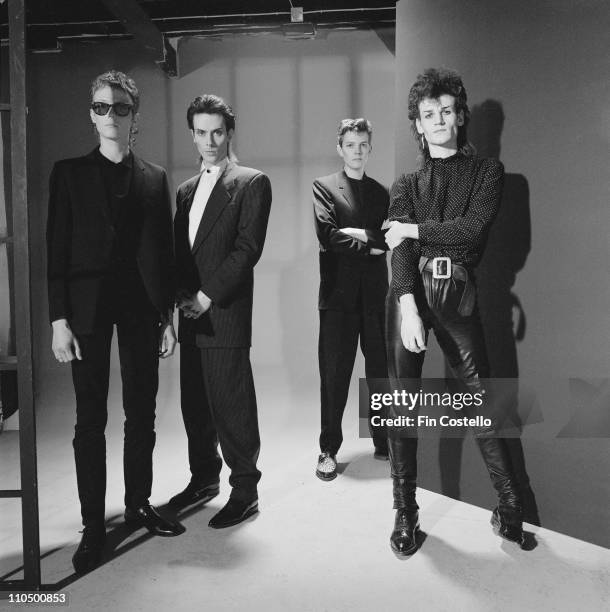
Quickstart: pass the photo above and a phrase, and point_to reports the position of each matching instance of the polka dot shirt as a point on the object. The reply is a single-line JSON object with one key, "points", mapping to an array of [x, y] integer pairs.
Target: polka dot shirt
{"points": [[453, 200]]}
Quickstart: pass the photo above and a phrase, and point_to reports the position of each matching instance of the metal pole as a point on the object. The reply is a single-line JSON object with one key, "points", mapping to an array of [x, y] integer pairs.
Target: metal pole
{"points": [[23, 326]]}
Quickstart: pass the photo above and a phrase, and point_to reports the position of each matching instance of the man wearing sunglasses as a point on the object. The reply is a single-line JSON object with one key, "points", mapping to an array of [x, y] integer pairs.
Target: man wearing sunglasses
{"points": [[110, 256]]}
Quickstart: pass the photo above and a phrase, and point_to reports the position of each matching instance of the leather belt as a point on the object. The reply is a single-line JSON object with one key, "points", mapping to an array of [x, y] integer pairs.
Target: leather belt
{"points": [[444, 268]]}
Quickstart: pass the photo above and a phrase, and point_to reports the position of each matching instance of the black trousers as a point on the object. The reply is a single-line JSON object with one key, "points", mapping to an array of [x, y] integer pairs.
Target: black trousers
{"points": [[337, 346], [461, 340], [138, 340], [219, 405], [460, 336]]}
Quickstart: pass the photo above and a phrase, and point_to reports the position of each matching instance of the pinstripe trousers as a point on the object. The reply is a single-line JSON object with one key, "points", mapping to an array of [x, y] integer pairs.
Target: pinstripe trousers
{"points": [[218, 404]]}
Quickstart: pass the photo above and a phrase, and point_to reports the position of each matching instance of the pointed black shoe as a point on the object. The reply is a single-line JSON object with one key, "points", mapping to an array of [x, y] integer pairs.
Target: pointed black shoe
{"points": [[406, 524], [147, 516], [508, 525], [234, 512], [195, 493], [89, 551]]}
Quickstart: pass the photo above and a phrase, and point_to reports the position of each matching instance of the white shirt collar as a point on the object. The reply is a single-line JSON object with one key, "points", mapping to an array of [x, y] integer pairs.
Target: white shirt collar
{"points": [[216, 170]]}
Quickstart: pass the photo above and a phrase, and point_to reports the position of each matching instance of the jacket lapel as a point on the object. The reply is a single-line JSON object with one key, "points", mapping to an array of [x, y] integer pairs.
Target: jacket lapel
{"points": [[221, 195], [137, 180], [189, 194], [346, 189]]}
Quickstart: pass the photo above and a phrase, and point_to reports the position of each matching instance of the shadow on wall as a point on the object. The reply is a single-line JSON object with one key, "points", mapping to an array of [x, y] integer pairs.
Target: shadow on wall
{"points": [[502, 315]]}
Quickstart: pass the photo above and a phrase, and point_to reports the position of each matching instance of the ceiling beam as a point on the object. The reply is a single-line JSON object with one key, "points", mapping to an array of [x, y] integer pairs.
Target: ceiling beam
{"points": [[387, 36], [137, 22]]}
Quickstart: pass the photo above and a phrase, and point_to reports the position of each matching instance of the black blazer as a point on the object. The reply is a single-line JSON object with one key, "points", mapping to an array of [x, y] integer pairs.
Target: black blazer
{"points": [[80, 237], [350, 277], [227, 246]]}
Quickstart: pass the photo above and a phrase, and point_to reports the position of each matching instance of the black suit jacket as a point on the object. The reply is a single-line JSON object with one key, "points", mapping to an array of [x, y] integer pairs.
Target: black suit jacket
{"points": [[80, 237], [350, 277], [228, 244]]}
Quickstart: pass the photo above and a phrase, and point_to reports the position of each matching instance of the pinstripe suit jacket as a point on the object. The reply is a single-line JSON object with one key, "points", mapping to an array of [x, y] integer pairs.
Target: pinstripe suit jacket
{"points": [[228, 244]]}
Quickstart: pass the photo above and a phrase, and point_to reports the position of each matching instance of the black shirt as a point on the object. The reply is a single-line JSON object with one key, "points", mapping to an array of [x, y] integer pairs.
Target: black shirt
{"points": [[122, 288], [453, 200], [124, 210], [117, 180], [361, 191]]}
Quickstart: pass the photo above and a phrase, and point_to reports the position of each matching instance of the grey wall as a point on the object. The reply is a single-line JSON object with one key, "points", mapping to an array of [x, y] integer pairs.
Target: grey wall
{"points": [[538, 80]]}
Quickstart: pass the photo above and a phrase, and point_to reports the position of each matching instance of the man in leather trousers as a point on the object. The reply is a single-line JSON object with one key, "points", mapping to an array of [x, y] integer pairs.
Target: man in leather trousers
{"points": [[441, 215]]}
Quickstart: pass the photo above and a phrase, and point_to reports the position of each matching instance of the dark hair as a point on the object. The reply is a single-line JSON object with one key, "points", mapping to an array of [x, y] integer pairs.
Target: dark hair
{"points": [[117, 80], [433, 83], [211, 105], [354, 125]]}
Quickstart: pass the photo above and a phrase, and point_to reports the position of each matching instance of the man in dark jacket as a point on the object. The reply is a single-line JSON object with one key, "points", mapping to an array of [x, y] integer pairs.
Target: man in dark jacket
{"points": [[220, 227], [350, 209], [110, 263]]}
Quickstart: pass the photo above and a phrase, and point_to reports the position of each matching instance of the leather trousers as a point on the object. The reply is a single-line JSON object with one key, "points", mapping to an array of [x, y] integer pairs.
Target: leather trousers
{"points": [[460, 336]]}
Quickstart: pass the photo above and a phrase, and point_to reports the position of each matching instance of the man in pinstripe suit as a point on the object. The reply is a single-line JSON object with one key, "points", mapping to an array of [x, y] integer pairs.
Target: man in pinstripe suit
{"points": [[220, 226]]}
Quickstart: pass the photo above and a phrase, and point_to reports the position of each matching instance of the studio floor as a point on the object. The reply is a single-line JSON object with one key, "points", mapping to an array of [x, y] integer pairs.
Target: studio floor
{"points": [[313, 547]]}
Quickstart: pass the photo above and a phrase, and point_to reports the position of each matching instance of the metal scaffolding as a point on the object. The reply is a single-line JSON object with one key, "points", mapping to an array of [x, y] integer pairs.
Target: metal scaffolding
{"points": [[20, 262]]}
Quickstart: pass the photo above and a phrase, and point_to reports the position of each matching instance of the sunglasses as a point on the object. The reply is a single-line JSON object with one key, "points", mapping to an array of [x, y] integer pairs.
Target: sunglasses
{"points": [[120, 108]]}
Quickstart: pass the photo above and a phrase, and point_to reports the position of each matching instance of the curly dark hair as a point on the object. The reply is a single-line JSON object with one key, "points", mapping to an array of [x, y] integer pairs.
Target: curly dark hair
{"points": [[433, 83], [117, 80], [354, 125], [211, 105]]}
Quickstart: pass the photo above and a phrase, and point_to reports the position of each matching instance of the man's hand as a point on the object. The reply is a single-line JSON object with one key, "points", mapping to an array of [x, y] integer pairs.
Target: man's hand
{"points": [[167, 340], [399, 231], [355, 232], [360, 234], [65, 346], [412, 332], [194, 306]]}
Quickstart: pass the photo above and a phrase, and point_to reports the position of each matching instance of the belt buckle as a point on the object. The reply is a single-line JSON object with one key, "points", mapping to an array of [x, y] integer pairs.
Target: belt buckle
{"points": [[441, 267]]}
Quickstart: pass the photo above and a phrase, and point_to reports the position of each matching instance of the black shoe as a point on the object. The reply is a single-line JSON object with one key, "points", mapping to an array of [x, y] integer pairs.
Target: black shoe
{"points": [[234, 512], [195, 493], [89, 551], [406, 524], [147, 516], [507, 518], [508, 525], [381, 454], [326, 468]]}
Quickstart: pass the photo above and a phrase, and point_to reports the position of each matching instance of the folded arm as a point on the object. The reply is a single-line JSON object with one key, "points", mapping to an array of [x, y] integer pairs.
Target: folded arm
{"points": [[466, 230], [373, 238], [330, 235]]}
